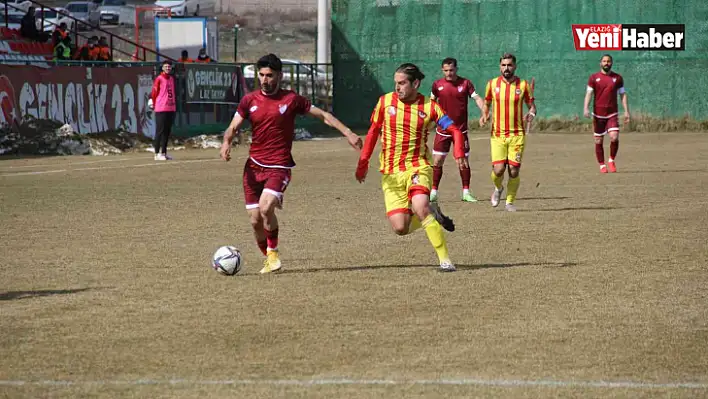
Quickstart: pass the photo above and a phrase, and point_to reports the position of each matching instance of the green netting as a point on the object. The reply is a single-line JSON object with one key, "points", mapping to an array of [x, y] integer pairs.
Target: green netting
{"points": [[370, 38]]}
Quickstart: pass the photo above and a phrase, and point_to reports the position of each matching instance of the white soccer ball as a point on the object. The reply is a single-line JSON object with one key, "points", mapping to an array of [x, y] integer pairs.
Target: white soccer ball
{"points": [[227, 260]]}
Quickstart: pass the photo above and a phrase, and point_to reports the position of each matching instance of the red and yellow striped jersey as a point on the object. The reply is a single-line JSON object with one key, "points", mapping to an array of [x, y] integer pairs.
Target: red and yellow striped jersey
{"points": [[508, 105], [403, 128]]}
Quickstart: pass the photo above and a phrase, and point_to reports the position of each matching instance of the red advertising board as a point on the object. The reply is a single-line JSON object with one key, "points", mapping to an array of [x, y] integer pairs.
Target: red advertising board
{"points": [[90, 99]]}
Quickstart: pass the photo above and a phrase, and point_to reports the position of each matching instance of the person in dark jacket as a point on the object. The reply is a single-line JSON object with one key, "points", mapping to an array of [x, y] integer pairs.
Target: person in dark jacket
{"points": [[28, 27], [203, 57]]}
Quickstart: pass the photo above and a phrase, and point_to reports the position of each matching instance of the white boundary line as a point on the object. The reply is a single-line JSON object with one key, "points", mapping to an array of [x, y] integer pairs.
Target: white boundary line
{"points": [[41, 165], [347, 381], [121, 159], [140, 165], [153, 163]]}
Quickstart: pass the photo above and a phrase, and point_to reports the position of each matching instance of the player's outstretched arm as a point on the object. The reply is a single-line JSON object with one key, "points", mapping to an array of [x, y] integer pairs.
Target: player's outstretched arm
{"points": [[330, 120], [229, 135], [372, 137], [487, 102], [154, 92], [480, 103], [625, 105], [530, 101], [485, 114], [586, 103], [531, 115], [458, 138]]}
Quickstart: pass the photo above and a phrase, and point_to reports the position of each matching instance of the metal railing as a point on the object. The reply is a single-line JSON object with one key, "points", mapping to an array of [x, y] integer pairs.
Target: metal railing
{"points": [[313, 81], [111, 36]]}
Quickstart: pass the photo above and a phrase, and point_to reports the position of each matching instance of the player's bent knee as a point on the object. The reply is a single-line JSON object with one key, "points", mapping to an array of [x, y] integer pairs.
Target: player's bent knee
{"points": [[419, 206], [268, 203], [499, 169], [400, 230], [267, 210], [255, 217], [514, 171], [438, 160], [399, 223]]}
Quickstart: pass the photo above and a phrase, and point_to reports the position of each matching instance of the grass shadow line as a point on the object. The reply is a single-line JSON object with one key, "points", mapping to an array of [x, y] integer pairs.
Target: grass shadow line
{"points": [[576, 208], [16, 295], [460, 267]]}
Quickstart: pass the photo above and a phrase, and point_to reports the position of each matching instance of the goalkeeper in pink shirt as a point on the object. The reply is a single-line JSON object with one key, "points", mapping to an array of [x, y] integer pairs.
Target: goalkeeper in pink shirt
{"points": [[162, 100]]}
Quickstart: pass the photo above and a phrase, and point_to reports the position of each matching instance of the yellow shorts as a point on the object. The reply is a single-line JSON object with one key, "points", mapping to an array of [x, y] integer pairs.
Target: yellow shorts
{"points": [[400, 187], [508, 150]]}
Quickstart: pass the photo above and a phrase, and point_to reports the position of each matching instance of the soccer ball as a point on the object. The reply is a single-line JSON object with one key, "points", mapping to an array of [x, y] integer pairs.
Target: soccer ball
{"points": [[227, 260]]}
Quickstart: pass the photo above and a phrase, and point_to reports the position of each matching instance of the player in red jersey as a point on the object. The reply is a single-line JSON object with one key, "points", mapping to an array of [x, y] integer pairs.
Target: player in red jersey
{"points": [[606, 85], [272, 112], [452, 92]]}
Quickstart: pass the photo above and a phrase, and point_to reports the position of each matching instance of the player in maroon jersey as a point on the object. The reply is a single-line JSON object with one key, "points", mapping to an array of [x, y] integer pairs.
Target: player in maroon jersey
{"points": [[452, 92], [272, 112], [606, 85]]}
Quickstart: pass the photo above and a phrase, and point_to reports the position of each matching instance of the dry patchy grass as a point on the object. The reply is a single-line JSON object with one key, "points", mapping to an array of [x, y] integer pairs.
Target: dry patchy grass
{"points": [[106, 278]]}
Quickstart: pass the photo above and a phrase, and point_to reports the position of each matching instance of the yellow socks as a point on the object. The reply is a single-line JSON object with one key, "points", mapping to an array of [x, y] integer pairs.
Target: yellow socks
{"points": [[512, 187], [436, 236], [497, 180], [415, 224]]}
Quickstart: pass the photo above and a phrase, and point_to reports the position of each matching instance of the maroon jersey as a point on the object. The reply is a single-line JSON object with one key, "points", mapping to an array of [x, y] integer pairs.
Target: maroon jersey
{"points": [[273, 123], [453, 97], [606, 88]]}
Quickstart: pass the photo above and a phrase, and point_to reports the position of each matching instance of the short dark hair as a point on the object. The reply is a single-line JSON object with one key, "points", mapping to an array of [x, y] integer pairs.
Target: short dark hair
{"points": [[508, 56], [270, 61], [185, 53], [166, 62], [412, 72], [606, 55], [448, 61]]}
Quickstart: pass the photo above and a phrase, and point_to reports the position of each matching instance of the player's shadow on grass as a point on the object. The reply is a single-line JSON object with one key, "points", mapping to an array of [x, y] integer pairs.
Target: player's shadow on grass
{"points": [[462, 267], [14, 295], [663, 171], [544, 198], [530, 198], [574, 208]]}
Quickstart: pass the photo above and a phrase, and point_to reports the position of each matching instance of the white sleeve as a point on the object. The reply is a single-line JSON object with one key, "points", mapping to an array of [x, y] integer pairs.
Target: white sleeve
{"points": [[474, 94], [621, 90], [590, 89]]}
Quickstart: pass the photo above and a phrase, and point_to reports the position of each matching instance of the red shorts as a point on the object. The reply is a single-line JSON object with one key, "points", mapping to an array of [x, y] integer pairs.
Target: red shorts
{"points": [[443, 142], [259, 179], [601, 126]]}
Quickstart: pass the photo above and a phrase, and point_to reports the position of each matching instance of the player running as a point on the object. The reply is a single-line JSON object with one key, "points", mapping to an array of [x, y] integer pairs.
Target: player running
{"points": [[452, 92], [508, 93], [605, 85], [402, 119], [272, 112]]}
